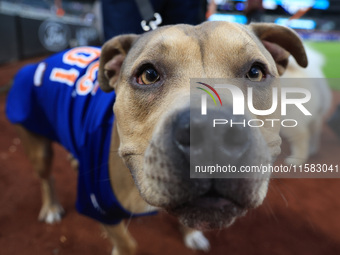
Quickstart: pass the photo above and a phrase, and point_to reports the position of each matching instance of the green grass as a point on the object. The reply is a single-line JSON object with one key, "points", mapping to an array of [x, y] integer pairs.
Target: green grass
{"points": [[331, 51]]}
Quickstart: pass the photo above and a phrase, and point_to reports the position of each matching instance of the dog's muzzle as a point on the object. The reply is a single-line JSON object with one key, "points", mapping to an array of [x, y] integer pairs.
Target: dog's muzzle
{"points": [[204, 203]]}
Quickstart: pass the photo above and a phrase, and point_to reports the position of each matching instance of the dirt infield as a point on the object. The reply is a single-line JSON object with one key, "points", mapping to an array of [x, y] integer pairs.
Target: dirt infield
{"points": [[299, 216]]}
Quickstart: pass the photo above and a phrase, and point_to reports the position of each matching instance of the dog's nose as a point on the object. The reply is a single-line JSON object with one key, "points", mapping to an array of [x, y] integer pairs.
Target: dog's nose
{"points": [[197, 134], [182, 132]]}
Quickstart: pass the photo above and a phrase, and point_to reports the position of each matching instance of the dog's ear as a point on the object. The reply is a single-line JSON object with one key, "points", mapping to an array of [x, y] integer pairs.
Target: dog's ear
{"points": [[281, 42], [112, 57]]}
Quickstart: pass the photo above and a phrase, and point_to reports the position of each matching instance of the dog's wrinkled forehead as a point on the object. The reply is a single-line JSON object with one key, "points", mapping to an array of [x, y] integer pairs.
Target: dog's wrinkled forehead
{"points": [[202, 46]]}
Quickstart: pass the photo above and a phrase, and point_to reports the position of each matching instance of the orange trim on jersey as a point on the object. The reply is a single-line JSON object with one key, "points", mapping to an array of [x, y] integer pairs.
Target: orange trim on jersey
{"points": [[64, 76], [85, 83], [81, 56]]}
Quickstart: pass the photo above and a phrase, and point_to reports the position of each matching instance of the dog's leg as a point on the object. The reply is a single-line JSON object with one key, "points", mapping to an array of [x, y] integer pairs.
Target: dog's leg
{"points": [[194, 239], [315, 131], [39, 151], [123, 243], [298, 139]]}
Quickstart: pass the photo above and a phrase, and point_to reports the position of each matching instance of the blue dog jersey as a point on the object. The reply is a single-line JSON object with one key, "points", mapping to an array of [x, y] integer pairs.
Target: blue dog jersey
{"points": [[60, 99]]}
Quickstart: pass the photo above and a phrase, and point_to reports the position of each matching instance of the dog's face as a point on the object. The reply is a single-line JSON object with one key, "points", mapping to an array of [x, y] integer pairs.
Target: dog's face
{"points": [[151, 77]]}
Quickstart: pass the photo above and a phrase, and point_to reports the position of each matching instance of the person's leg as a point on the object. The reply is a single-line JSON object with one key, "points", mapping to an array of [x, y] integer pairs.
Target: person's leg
{"points": [[181, 11], [120, 17], [123, 17]]}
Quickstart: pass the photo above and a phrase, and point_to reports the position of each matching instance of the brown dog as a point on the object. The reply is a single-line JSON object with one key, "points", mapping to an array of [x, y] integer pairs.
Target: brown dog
{"points": [[150, 75]]}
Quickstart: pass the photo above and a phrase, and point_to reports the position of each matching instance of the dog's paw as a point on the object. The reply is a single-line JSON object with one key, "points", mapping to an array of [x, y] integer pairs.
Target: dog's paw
{"points": [[129, 247], [197, 241], [51, 214]]}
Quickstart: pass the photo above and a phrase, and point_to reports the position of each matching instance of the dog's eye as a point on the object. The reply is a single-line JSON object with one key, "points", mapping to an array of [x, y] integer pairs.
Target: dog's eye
{"points": [[255, 73], [148, 76]]}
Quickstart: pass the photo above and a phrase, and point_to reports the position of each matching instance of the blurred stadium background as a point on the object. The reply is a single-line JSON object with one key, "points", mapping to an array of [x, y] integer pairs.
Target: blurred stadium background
{"points": [[317, 22], [35, 27]]}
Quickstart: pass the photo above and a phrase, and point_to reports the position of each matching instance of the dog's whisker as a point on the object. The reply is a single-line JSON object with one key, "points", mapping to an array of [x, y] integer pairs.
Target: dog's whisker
{"points": [[278, 190], [270, 210], [126, 227], [287, 188]]}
